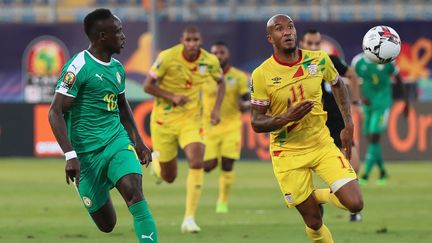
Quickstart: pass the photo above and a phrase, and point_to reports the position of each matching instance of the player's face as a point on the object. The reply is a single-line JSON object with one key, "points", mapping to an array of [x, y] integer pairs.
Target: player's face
{"points": [[283, 35], [222, 54], [116, 39], [311, 41], [191, 42]]}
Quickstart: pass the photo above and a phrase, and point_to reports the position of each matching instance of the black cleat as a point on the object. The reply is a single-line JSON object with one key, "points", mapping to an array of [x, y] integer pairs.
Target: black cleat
{"points": [[355, 217]]}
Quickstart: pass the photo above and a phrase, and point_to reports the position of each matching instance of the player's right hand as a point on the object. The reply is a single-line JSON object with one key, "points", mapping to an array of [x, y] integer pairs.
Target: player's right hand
{"points": [[297, 112], [72, 170], [180, 99]]}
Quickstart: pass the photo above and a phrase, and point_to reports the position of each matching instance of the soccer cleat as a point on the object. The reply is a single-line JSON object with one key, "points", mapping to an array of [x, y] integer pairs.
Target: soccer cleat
{"points": [[382, 181], [355, 217], [363, 181], [221, 207], [189, 226]]}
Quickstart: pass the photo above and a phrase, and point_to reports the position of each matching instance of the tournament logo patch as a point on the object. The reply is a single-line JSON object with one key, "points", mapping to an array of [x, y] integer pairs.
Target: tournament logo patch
{"points": [[68, 80], [87, 202], [289, 198], [313, 69], [118, 77]]}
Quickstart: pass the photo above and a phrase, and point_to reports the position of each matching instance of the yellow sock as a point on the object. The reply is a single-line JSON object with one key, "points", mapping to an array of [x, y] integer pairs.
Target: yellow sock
{"points": [[226, 179], [322, 235], [194, 185], [156, 164], [324, 196]]}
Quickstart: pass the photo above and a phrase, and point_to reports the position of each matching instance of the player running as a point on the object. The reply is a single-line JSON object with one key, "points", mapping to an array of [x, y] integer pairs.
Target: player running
{"points": [[311, 40], [376, 92], [223, 141], [175, 79], [286, 101], [93, 124]]}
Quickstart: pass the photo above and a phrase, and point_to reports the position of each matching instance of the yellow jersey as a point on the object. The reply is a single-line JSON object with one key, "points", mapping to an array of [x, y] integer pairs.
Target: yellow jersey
{"points": [[273, 82], [236, 85], [182, 77]]}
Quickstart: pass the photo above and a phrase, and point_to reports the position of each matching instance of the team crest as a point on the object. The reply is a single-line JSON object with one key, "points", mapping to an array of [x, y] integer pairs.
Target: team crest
{"points": [[118, 77], [202, 68], [87, 202], [68, 80], [289, 198], [313, 69]]}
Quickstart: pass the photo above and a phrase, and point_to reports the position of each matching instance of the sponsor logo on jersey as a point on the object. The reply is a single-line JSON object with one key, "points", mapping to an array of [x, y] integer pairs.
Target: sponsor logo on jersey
{"points": [[289, 197], [118, 77], [276, 80], [68, 80], [99, 76], [87, 201]]}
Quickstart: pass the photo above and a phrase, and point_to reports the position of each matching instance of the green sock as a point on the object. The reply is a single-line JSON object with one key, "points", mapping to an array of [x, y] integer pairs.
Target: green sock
{"points": [[380, 161], [372, 155], [145, 227]]}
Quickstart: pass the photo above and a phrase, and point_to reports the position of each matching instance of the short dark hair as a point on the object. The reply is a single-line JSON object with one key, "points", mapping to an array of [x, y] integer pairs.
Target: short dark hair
{"points": [[310, 31], [220, 43], [97, 15], [191, 29]]}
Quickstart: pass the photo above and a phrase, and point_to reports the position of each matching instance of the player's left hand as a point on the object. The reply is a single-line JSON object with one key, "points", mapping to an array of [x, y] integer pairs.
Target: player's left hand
{"points": [[346, 136], [144, 153], [215, 117]]}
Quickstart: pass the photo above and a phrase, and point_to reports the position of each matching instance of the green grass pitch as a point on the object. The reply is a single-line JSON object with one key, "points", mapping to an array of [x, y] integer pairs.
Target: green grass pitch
{"points": [[36, 205]]}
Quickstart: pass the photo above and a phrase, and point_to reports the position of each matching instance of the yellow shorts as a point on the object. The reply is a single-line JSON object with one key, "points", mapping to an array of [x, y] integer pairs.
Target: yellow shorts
{"points": [[294, 172], [167, 137], [220, 145]]}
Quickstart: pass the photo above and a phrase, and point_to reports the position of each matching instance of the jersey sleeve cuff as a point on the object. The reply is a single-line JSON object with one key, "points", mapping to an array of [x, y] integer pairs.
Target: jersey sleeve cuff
{"points": [[260, 102], [64, 92], [122, 92]]}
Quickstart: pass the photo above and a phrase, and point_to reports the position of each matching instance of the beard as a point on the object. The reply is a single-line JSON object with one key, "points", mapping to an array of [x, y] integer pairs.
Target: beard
{"points": [[289, 50]]}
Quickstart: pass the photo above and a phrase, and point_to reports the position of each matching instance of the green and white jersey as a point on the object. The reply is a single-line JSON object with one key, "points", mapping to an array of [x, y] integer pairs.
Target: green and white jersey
{"points": [[375, 81], [93, 121]]}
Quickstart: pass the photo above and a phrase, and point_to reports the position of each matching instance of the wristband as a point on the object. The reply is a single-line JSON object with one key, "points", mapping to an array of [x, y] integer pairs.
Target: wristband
{"points": [[70, 155]]}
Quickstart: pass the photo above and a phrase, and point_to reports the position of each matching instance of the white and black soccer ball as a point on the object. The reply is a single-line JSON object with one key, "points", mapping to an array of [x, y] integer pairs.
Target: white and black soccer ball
{"points": [[381, 44]]}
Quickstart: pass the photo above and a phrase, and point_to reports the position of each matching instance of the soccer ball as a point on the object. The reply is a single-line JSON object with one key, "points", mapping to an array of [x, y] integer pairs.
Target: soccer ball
{"points": [[381, 44]]}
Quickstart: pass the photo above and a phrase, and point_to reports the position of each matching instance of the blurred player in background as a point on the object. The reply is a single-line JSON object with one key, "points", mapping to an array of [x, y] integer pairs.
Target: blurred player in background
{"points": [[286, 102], [376, 90], [93, 124], [311, 40], [223, 140], [175, 79]]}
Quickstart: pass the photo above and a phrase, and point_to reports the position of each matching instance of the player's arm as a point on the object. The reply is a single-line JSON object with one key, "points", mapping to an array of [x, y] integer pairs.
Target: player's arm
{"points": [[215, 115], [340, 94], [261, 122], [60, 105], [401, 86], [126, 118], [151, 87], [354, 84], [244, 102]]}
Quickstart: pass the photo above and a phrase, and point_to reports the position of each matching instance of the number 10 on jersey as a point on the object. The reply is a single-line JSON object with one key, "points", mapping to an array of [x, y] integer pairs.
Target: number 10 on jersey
{"points": [[110, 100]]}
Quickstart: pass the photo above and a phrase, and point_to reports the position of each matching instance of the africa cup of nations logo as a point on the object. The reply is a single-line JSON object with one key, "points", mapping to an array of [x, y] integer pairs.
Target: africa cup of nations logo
{"points": [[43, 60]]}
